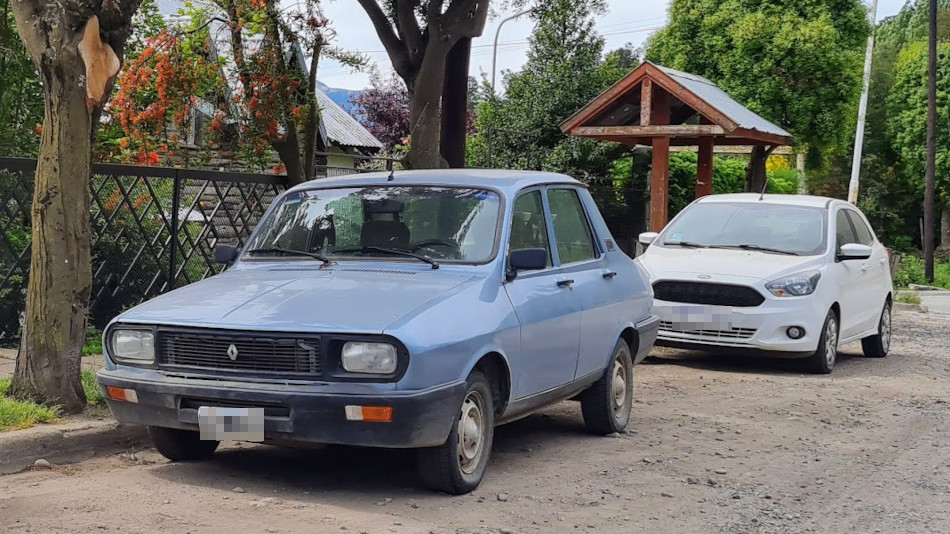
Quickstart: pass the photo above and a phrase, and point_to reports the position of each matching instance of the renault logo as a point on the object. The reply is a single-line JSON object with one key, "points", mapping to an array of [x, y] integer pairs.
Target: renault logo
{"points": [[232, 352], [703, 276]]}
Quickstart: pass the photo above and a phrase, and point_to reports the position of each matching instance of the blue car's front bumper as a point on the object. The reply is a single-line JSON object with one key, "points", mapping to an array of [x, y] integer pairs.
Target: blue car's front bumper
{"points": [[293, 413]]}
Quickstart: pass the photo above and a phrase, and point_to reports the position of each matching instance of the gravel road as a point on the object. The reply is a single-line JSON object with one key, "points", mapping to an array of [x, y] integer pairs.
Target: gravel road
{"points": [[716, 445]]}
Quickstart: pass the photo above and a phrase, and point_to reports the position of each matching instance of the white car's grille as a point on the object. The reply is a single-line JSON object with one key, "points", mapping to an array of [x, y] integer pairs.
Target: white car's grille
{"points": [[733, 335]]}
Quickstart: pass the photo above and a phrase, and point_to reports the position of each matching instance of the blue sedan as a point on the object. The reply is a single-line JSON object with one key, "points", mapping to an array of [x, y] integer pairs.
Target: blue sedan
{"points": [[418, 309]]}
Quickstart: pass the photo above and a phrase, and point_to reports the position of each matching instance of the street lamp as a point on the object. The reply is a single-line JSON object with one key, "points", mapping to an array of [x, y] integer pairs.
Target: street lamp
{"points": [[494, 59], [862, 112]]}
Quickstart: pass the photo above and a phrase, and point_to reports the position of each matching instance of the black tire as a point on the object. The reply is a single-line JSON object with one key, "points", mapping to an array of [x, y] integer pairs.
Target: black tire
{"points": [[823, 361], [605, 411], [455, 469], [181, 445], [878, 345]]}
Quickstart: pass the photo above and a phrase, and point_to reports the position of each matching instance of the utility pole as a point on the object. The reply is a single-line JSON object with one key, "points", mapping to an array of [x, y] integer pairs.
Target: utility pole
{"points": [[494, 59], [931, 148], [862, 112]]}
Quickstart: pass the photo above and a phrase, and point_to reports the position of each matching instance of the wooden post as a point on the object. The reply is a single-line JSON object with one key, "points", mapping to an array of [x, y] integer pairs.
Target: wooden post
{"points": [[660, 171], [646, 102], [659, 184], [704, 170]]}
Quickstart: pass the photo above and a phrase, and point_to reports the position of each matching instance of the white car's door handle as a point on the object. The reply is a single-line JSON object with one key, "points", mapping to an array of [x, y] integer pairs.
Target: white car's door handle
{"points": [[883, 261], [864, 267]]}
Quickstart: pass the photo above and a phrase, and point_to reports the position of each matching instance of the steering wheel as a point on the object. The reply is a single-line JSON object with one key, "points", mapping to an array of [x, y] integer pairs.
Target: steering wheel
{"points": [[429, 243]]}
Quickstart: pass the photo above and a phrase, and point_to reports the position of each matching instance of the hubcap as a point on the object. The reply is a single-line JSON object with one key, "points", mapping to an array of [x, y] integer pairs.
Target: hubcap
{"points": [[886, 329], [471, 432], [619, 386], [831, 341]]}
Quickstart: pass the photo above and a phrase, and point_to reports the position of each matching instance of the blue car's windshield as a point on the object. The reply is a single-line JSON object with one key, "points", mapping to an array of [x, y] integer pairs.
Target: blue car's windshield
{"points": [[447, 224]]}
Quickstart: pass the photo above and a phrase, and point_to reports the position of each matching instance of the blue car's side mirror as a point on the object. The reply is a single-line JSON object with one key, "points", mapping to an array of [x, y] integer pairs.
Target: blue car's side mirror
{"points": [[225, 254], [526, 259]]}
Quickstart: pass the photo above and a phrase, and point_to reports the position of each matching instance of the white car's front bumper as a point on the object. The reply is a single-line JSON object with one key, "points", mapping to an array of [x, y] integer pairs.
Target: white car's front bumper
{"points": [[764, 327]]}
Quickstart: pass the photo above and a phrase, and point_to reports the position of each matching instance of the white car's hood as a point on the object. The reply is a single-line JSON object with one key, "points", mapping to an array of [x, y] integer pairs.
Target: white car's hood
{"points": [[688, 263]]}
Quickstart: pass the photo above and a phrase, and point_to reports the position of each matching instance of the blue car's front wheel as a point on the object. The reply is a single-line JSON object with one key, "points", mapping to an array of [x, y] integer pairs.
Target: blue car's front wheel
{"points": [[458, 465]]}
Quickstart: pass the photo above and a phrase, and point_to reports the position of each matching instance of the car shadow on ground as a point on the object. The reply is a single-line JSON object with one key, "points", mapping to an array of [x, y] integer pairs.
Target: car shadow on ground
{"points": [[848, 358], [358, 477]]}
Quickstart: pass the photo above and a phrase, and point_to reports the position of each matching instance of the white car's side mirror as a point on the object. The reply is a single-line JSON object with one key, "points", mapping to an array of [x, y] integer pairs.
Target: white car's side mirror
{"points": [[647, 238], [854, 251]]}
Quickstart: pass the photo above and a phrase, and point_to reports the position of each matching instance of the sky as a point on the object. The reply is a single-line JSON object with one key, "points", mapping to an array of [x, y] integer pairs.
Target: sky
{"points": [[626, 21]]}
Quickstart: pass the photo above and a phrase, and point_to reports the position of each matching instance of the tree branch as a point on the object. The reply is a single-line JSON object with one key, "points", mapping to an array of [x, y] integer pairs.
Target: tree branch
{"points": [[465, 18], [409, 26], [394, 47]]}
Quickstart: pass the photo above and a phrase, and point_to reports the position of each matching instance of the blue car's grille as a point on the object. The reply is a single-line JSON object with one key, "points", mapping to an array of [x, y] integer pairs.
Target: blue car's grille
{"points": [[232, 351]]}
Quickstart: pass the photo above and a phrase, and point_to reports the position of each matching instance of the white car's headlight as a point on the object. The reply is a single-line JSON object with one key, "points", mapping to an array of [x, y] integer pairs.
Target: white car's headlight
{"points": [[374, 358], [133, 346], [796, 285]]}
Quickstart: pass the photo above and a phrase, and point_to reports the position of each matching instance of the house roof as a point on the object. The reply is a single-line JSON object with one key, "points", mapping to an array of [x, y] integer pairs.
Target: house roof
{"points": [[657, 102]]}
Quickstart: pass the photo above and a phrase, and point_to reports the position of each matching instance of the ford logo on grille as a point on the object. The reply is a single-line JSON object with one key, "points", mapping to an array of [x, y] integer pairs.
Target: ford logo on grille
{"points": [[232, 352]]}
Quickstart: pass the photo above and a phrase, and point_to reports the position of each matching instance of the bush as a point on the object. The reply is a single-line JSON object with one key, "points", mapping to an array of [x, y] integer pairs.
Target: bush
{"points": [[911, 271]]}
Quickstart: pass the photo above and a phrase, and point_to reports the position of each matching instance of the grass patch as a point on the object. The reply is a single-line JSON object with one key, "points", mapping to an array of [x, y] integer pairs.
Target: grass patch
{"points": [[93, 342], [15, 414], [907, 298], [89, 385]]}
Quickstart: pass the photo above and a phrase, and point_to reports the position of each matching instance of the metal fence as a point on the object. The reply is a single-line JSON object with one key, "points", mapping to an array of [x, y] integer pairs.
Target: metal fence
{"points": [[153, 229]]}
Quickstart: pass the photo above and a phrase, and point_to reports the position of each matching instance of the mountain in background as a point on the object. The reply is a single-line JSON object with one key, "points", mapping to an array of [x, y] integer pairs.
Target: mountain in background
{"points": [[340, 96]]}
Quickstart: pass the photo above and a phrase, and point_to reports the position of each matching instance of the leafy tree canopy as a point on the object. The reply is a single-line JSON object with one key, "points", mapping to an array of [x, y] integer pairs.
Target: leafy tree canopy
{"points": [[795, 62]]}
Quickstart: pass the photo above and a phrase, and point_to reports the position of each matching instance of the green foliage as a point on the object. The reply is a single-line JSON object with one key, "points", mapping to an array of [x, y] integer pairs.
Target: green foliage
{"points": [[796, 63], [93, 341], [16, 415], [911, 271], [907, 298], [565, 70], [91, 388], [21, 95]]}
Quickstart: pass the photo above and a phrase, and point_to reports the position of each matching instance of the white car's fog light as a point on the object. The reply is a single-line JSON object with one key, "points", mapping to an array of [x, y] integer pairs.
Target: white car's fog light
{"points": [[795, 332], [375, 358]]}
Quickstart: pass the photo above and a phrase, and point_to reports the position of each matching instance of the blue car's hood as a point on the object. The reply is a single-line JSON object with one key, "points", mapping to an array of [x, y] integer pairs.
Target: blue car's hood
{"points": [[311, 300]]}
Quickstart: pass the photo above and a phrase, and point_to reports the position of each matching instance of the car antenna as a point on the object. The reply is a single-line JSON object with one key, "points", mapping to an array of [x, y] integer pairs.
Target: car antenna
{"points": [[392, 175], [764, 187]]}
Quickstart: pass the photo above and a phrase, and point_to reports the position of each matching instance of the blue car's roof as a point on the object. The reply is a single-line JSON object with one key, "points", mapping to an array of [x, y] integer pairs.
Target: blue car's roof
{"points": [[508, 181]]}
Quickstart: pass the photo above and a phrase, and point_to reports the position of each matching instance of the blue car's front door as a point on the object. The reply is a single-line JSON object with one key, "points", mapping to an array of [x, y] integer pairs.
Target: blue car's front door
{"points": [[545, 305]]}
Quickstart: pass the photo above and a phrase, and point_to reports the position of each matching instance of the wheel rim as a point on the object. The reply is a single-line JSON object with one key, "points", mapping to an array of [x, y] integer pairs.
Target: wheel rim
{"points": [[471, 432], [831, 342], [886, 329], [619, 387]]}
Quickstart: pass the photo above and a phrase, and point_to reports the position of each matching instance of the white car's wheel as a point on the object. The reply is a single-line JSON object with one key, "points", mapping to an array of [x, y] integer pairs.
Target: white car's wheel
{"points": [[823, 361], [877, 346]]}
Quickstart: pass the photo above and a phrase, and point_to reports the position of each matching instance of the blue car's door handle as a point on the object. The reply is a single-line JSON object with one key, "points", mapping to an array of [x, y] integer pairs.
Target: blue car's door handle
{"points": [[609, 274], [565, 283]]}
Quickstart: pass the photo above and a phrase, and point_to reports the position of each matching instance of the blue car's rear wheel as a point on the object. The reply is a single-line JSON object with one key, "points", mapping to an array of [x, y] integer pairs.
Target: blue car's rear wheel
{"points": [[458, 465], [606, 405]]}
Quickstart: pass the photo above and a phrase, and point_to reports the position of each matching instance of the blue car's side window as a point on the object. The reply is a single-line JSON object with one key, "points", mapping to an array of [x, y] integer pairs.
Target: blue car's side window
{"points": [[572, 233], [528, 228]]}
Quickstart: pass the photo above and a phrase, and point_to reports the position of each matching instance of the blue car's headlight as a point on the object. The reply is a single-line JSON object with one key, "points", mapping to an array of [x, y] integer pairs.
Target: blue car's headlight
{"points": [[132, 346], [371, 358], [796, 285]]}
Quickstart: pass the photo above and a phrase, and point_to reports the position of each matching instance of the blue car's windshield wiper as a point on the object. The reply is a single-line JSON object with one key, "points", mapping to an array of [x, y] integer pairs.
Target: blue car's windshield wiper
{"points": [[759, 248], [395, 251], [290, 252], [687, 244]]}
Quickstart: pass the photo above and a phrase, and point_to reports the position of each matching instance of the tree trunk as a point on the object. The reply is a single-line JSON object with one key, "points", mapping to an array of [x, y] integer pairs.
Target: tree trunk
{"points": [[289, 152], [755, 177], [48, 365], [455, 104], [425, 124]]}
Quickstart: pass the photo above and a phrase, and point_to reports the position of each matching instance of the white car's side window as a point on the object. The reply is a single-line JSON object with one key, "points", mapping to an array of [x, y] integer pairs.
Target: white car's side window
{"points": [[864, 235], [843, 229]]}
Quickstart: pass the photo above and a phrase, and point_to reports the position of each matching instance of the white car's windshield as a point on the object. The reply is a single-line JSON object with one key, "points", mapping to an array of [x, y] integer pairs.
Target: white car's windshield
{"points": [[793, 230], [429, 223]]}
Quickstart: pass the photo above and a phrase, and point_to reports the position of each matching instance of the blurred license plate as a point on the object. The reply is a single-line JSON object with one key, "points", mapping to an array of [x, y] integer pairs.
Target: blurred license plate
{"points": [[692, 318], [231, 424]]}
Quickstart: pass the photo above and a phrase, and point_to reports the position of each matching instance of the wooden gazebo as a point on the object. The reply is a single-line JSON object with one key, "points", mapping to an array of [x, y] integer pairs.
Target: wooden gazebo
{"points": [[660, 107]]}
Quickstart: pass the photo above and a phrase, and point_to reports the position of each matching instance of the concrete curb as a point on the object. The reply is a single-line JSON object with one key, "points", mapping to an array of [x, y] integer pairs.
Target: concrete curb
{"points": [[910, 307], [66, 443]]}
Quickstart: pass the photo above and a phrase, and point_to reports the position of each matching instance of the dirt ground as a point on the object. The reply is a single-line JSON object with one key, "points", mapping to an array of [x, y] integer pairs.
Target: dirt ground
{"points": [[716, 445]]}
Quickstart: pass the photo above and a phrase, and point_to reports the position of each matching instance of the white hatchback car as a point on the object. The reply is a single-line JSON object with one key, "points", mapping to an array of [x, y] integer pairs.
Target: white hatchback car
{"points": [[787, 276]]}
